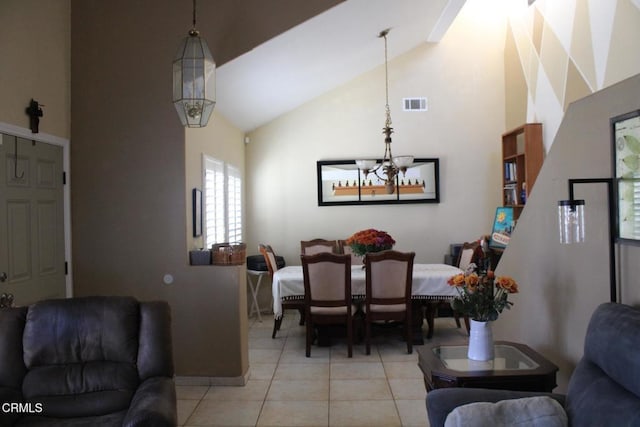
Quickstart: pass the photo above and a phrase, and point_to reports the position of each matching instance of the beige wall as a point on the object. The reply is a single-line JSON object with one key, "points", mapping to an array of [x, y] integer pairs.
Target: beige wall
{"points": [[221, 141], [35, 49], [462, 77], [557, 53], [560, 285], [128, 197]]}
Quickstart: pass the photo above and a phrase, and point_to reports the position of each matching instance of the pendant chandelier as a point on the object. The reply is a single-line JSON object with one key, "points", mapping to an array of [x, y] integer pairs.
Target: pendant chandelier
{"points": [[194, 83], [390, 166]]}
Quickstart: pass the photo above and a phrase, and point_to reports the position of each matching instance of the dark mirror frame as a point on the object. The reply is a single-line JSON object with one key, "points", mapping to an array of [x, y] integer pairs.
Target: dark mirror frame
{"points": [[355, 193], [625, 137]]}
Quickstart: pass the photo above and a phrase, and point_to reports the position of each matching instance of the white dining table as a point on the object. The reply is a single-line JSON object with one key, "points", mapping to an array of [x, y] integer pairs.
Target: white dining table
{"points": [[429, 282]]}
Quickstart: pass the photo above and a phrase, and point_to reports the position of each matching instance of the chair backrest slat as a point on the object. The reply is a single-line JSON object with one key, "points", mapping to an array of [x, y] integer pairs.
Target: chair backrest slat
{"points": [[316, 246], [327, 279], [389, 277]]}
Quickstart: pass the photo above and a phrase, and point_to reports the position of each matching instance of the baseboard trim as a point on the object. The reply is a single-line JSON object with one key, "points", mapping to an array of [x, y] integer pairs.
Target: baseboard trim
{"points": [[188, 380]]}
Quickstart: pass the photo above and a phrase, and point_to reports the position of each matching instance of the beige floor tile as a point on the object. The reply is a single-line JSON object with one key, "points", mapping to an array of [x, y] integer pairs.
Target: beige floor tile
{"points": [[262, 371], [397, 353], [412, 413], [191, 391], [223, 413], [294, 413], [264, 355], [367, 413], [253, 390], [339, 353], [299, 390], [302, 371], [265, 343], [407, 389], [185, 409], [409, 370], [318, 355], [360, 390], [356, 370]]}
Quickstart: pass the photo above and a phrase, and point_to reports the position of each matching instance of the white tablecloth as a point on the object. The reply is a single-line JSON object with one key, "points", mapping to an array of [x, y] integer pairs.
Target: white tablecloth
{"points": [[429, 282]]}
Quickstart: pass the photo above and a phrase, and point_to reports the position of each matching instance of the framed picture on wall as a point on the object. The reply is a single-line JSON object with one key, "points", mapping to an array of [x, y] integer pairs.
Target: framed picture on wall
{"points": [[341, 182], [197, 213], [626, 156], [503, 224]]}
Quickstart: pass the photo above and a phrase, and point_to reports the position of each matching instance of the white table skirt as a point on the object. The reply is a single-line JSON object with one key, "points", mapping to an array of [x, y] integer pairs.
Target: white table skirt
{"points": [[429, 282]]}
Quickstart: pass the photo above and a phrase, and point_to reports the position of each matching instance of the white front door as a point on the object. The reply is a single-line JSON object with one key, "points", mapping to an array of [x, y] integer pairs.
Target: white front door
{"points": [[32, 247]]}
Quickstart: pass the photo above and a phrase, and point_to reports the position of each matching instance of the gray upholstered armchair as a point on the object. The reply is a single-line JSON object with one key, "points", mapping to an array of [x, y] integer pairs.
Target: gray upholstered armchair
{"points": [[93, 361], [604, 389]]}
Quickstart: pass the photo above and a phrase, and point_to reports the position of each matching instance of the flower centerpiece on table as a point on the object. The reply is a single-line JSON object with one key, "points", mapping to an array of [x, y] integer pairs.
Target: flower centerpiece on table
{"points": [[370, 240], [482, 297]]}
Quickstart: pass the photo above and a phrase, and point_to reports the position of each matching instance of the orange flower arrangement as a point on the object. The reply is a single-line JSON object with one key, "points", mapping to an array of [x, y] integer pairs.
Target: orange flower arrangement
{"points": [[370, 240], [482, 297]]}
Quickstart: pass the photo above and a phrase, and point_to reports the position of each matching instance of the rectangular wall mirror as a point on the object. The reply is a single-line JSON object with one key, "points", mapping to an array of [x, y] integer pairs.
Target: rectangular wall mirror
{"points": [[626, 149], [341, 182]]}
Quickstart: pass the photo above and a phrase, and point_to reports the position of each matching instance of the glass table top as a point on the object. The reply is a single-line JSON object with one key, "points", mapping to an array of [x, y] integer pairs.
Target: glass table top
{"points": [[507, 357]]}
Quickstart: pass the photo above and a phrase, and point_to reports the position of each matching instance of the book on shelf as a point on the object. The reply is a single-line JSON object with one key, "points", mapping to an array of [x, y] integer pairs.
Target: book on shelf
{"points": [[510, 194], [510, 171]]}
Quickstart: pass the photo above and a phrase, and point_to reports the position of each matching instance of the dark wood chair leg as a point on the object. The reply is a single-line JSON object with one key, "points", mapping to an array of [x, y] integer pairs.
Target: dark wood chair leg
{"points": [[367, 336], [429, 314], [276, 326], [350, 337], [466, 323], [408, 332], [309, 338], [456, 316]]}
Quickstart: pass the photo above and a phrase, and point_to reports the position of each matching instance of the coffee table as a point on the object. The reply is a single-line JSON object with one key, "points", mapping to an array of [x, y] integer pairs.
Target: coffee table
{"points": [[515, 367]]}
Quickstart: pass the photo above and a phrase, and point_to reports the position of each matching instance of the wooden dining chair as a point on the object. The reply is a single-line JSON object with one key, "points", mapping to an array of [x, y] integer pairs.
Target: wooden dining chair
{"points": [[316, 246], [389, 277], [343, 248], [468, 255], [270, 259], [327, 294]]}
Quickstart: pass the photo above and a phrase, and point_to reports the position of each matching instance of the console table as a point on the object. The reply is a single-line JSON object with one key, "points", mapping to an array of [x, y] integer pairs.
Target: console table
{"points": [[515, 367]]}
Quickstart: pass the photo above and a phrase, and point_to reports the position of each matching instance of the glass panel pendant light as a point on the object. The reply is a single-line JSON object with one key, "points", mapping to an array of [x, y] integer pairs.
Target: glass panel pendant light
{"points": [[194, 82]]}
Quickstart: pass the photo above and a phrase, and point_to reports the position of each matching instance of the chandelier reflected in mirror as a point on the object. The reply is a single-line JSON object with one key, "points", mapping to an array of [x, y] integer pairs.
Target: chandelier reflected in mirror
{"points": [[194, 79], [388, 170]]}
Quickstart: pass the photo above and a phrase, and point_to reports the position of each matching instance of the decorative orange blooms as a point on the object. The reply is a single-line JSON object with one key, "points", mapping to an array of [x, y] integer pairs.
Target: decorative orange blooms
{"points": [[507, 283], [370, 240], [482, 297]]}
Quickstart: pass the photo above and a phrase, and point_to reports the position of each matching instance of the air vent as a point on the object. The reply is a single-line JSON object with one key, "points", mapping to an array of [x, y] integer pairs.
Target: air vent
{"points": [[415, 104]]}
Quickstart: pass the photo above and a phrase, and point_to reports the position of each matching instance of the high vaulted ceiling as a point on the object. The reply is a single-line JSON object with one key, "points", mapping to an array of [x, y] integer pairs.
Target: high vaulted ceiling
{"points": [[315, 55]]}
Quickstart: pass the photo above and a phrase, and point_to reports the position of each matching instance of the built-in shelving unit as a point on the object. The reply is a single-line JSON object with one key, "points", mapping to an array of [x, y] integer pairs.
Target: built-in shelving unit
{"points": [[522, 157]]}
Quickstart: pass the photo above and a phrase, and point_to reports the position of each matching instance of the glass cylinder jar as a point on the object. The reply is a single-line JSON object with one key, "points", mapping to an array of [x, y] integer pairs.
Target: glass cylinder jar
{"points": [[571, 221]]}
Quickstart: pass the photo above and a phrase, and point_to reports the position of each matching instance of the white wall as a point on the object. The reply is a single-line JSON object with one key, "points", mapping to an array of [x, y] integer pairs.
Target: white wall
{"points": [[462, 77]]}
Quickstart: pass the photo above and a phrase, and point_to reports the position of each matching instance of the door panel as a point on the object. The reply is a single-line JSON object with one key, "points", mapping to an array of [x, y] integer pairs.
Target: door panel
{"points": [[31, 220]]}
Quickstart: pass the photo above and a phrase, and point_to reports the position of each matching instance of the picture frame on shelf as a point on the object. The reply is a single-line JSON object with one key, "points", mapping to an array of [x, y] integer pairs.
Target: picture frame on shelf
{"points": [[625, 136], [503, 224], [197, 212]]}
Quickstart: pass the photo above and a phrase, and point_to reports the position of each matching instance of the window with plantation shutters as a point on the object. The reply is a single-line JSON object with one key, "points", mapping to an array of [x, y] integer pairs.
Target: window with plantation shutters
{"points": [[222, 202], [234, 204]]}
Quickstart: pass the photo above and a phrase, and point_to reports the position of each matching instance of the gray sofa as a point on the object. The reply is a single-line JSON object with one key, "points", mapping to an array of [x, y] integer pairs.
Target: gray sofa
{"points": [[604, 389], [93, 361]]}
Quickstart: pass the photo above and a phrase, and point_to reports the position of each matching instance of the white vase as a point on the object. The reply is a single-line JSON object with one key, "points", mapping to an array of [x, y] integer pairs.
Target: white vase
{"points": [[480, 341]]}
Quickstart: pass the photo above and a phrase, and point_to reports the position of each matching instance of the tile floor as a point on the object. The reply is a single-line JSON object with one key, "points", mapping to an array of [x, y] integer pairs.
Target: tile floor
{"points": [[285, 388]]}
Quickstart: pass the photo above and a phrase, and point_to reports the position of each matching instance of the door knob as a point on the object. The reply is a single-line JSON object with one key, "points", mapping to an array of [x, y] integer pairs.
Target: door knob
{"points": [[3, 276]]}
